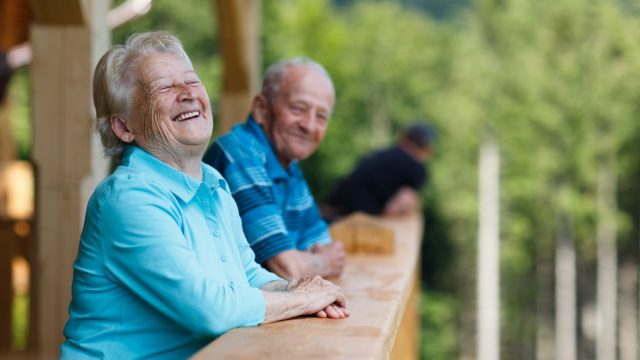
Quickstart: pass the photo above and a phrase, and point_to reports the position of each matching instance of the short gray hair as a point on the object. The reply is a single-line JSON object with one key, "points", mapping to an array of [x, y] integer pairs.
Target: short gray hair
{"points": [[274, 74], [114, 81]]}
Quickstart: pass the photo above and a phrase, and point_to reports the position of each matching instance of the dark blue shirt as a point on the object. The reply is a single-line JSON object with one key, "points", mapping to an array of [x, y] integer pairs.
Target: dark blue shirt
{"points": [[375, 180]]}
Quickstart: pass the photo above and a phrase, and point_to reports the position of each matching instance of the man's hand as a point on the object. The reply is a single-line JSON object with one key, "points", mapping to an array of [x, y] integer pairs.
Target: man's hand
{"points": [[405, 201], [323, 260], [333, 258]]}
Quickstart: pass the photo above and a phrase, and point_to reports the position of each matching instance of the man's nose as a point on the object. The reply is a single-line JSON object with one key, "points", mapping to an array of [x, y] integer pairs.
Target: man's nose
{"points": [[309, 122]]}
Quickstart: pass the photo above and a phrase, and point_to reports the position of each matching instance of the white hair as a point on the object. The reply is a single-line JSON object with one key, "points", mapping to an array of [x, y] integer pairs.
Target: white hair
{"points": [[275, 73], [115, 78]]}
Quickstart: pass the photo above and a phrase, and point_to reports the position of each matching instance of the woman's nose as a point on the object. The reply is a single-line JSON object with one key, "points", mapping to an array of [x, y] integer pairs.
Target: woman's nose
{"points": [[185, 92]]}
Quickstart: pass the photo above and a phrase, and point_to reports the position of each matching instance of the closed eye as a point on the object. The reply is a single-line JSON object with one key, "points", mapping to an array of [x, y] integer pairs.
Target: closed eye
{"points": [[163, 89]]}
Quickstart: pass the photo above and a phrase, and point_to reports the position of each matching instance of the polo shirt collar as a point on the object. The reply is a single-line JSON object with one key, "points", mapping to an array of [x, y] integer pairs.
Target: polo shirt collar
{"points": [[274, 168], [179, 183]]}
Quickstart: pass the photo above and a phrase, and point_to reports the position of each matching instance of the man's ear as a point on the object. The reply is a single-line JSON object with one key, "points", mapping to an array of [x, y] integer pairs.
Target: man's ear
{"points": [[260, 109], [120, 128]]}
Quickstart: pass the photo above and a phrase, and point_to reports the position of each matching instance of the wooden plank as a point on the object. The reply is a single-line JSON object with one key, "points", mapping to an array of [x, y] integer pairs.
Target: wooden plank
{"points": [[238, 28], [378, 289]]}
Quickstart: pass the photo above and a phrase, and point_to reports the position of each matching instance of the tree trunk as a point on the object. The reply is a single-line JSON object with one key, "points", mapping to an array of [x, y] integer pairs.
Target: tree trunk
{"points": [[607, 263], [544, 305], [488, 339], [566, 343], [628, 315]]}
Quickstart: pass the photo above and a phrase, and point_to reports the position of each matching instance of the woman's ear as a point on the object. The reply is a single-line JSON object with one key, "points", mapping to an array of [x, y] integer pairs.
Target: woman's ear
{"points": [[120, 128], [260, 109]]}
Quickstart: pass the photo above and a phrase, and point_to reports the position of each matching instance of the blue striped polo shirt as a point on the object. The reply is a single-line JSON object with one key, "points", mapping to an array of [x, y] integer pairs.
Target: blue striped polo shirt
{"points": [[277, 208]]}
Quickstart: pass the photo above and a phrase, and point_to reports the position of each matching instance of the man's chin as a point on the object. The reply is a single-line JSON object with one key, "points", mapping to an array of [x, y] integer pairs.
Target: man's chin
{"points": [[302, 155]]}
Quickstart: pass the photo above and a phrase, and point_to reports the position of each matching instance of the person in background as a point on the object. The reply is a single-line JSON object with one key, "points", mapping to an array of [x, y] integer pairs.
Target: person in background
{"points": [[163, 265], [259, 159], [386, 182]]}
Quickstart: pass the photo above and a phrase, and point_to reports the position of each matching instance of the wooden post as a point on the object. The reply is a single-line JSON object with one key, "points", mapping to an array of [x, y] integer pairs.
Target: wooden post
{"points": [[65, 152], [61, 148], [239, 24]]}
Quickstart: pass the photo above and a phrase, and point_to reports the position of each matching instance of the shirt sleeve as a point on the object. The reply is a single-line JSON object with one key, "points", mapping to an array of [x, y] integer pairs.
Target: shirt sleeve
{"points": [[416, 174], [314, 229], [145, 250], [256, 274], [262, 218]]}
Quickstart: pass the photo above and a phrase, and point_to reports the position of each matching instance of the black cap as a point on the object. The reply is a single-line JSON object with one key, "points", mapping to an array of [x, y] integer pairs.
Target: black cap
{"points": [[421, 134]]}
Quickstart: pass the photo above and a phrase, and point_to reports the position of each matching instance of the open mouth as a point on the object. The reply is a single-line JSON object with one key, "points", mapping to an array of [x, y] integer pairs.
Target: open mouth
{"points": [[187, 116]]}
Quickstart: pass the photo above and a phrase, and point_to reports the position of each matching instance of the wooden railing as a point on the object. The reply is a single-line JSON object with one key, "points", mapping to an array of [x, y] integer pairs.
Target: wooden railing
{"points": [[382, 295]]}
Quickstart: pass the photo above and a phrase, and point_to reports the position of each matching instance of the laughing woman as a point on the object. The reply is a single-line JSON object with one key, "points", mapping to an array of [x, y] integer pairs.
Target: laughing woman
{"points": [[163, 265]]}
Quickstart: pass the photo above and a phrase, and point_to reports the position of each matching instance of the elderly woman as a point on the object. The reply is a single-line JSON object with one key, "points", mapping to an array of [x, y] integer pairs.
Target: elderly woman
{"points": [[163, 265]]}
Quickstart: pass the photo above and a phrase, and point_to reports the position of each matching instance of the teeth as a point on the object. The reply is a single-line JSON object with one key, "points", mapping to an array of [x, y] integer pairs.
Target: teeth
{"points": [[187, 115]]}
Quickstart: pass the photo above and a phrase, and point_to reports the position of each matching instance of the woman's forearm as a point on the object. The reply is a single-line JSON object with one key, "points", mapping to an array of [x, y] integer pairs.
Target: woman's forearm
{"points": [[281, 305], [279, 285]]}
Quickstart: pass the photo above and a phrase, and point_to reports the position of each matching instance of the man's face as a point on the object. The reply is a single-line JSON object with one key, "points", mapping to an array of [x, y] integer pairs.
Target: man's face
{"points": [[171, 111], [296, 120]]}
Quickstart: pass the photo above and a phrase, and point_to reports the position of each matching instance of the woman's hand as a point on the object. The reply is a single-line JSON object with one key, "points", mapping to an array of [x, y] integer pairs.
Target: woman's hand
{"points": [[306, 296], [324, 298]]}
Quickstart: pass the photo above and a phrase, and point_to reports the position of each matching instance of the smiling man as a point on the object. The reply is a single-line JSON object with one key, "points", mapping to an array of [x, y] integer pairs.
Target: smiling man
{"points": [[259, 159]]}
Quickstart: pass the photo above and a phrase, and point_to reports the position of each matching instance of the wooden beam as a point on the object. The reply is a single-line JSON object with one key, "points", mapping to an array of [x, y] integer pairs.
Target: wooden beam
{"points": [[68, 158], [61, 76], [238, 27], [59, 12], [15, 16]]}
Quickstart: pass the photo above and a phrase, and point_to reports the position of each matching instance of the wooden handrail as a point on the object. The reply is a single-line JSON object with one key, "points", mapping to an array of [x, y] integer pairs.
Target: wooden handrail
{"points": [[381, 293]]}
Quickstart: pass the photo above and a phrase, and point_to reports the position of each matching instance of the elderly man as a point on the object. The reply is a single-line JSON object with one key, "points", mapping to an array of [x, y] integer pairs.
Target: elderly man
{"points": [[259, 159], [163, 266]]}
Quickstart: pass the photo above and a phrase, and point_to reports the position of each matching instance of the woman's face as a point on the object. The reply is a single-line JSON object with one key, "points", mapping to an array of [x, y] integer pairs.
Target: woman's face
{"points": [[170, 114]]}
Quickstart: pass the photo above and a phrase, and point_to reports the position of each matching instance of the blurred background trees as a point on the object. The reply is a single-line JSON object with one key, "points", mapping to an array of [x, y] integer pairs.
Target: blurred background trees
{"points": [[556, 83]]}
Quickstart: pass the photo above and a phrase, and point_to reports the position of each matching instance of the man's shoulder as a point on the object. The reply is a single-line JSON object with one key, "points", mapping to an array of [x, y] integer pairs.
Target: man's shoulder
{"points": [[239, 143]]}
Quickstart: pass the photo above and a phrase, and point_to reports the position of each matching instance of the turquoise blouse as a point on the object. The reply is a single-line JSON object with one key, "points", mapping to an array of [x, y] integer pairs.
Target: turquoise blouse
{"points": [[163, 265]]}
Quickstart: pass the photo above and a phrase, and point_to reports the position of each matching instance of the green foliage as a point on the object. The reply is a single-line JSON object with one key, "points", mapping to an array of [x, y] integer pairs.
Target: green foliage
{"points": [[193, 21], [20, 321], [20, 112], [438, 340], [549, 79]]}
